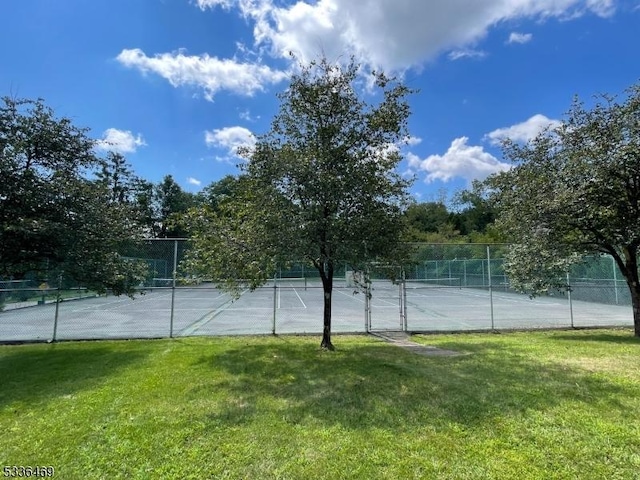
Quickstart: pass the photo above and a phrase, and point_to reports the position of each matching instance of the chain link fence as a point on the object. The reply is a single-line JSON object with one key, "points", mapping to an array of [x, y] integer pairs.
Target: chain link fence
{"points": [[453, 287]]}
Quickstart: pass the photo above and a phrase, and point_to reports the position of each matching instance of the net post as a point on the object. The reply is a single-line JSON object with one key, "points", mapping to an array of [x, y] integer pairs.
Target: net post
{"points": [[304, 275]]}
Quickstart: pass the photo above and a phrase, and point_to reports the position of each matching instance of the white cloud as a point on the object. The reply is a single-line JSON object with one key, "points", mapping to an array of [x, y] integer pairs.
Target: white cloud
{"points": [[603, 8], [412, 141], [460, 161], [213, 3], [466, 53], [523, 132], [120, 141], [521, 38], [246, 115], [229, 139], [209, 73], [193, 181], [393, 34]]}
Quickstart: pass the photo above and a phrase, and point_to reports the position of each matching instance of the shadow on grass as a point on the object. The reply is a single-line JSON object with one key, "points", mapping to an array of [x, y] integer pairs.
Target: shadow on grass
{"points": [[623, 339], [31, 374], [380, 385]]}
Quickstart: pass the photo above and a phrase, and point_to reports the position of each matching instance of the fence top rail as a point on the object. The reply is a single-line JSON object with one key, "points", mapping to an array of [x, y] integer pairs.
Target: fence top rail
{"points": [[33, 289], [457, 244], [181, 239], [435, 244]]}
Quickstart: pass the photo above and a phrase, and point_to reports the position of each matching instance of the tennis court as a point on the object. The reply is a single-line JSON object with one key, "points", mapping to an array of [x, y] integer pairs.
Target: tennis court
{"points": [[454, 309], [296, 306], [204, 310]]}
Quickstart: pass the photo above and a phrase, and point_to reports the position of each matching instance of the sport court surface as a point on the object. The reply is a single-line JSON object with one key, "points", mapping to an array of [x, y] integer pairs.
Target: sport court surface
{"points": [[205, 310]]}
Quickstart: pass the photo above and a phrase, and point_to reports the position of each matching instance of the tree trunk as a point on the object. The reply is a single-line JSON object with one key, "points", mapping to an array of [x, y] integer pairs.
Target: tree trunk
{"points": [[327, 287], [630, 272], [635, 302]]}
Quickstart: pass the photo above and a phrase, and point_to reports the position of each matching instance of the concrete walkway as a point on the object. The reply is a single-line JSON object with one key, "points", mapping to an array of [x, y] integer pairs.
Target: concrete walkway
{"points": [[403, 340]]}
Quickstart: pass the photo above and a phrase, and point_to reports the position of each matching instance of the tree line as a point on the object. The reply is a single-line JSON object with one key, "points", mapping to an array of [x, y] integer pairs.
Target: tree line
{"points": [[160, 208]]}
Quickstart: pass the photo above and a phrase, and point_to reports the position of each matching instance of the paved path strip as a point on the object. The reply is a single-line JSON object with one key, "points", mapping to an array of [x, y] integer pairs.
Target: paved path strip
{"points": [[403, 340]]}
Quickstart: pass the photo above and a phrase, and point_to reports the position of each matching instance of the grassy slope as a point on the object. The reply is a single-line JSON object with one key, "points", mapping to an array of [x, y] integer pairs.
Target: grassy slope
{"points": [[522, 405]]}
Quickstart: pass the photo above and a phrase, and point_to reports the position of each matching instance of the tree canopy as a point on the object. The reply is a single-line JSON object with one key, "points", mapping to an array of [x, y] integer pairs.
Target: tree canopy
{"points": [[53, 217], [170, 202], [574, 190], [321, 186]]}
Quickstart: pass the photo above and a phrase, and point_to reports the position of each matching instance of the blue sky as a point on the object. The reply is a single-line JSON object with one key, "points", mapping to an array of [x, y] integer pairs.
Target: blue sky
{"points": [[178, 85]]}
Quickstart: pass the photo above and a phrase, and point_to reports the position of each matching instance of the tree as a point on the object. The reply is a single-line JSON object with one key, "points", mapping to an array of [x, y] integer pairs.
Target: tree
{"points": [[125, 191], [144, 206], [230, 242], [475, 214], [53, 218], [217, 192], [427, 217], [97, 234], [320, 186], [116, 176], [574, 191], [171, 203], [158, 207]]}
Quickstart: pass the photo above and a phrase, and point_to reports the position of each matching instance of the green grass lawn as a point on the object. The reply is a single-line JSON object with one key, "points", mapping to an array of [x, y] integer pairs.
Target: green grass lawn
{"points": [[520, 405]]}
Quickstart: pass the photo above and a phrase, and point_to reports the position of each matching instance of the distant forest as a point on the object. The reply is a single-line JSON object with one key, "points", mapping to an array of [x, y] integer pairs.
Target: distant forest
{"points": [[466, 219]]}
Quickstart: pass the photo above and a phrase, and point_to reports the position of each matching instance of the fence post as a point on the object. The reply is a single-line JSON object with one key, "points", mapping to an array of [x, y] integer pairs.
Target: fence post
{"points": [[490, 285], [483, 280], [275, 303], [504, 277], [366, 309], [55, 317], [615, 277], [367, 301], [464, 266], [173, 285], [404, 301], [569, 297]]}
